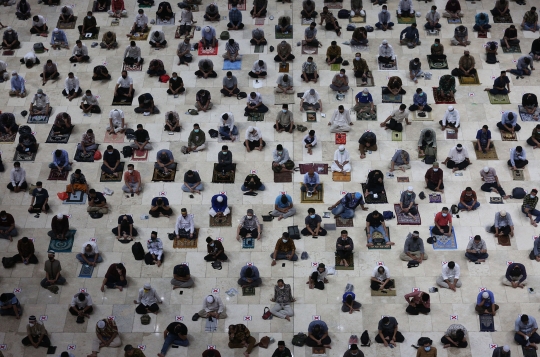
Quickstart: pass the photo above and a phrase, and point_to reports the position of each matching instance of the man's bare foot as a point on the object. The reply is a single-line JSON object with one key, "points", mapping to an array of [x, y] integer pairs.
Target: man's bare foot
{"points": [[162, 355], [446, 346], [287, 318], [454, 169], [481, 260], [369, 245], [390, 243], [120, 288], [362, 156], [280, 218]]}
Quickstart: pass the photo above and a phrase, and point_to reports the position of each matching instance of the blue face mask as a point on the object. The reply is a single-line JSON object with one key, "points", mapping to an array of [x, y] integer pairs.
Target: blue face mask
{"points": [[196, 130], [427, 348], [312, 216], [421, 94]]}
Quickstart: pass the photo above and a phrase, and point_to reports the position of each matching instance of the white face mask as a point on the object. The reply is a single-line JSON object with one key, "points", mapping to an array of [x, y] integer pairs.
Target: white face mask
{"points": [[357, 58], [532, 196], [39, 189], [284, 240], [435, 170], [341, 74], [212, 244], [284, 110], [130, 171], [39, 95], [445, 214], [249, 217], [281, 287]]}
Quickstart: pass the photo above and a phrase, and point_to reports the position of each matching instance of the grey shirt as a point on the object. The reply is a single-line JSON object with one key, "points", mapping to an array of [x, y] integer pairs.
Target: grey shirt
{"points": [[406, 199], [400, 159], [230, 83], [412, 245], [389, 328]]}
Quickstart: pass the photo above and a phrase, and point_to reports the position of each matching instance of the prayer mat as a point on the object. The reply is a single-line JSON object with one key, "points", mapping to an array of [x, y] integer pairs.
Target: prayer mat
{"points": [[240, 6], [370, 82], [506, 136], [518, 175], [232, 66], [321, 169], [496, 200], [504, 240], [158, 176], [340, 177], [427, 116], [7, 139], [498, 98], [123, 102], [283, 68], [369, 198], [528, 352], [283, 36], [93, 36], [390, 98], [342, 222], [385, 292], [486, 323], [329, 226], [38, 119], [406, 20], [248, 243], [510, 49], [211, 51], [359, 48], [58, 175], [95, 9], [366, 114], [350, 261], [388, 67], [454, 21], [132, 68], [141, 6], [308, 50], [435, 198], [140, 36], [506, 19], [282, 98], [255, 117], [165, 23], [217, 177], [248, 291], [23, 157], [402, 179], [225, 221], [80, 158], [139, 155], [51, 350], [442, 100], [451, 134], [259, 21], [437, 65], [195, 8], [315, 198], [311, 117], [397, 136], [180, 243], [333, 5], [378, 240], [111, 178], [445, 242], [258, 49], [335, 67], [113, 138], [482, 34], [63, 246], [341, 138], [283, 177], [76, 198], [57, 139], [306, 21], [115, 22], [357, 20], [469, 81], [67, 25], [8, 53], [489, 155], [86, 271], [526, 116], [404, 219]]}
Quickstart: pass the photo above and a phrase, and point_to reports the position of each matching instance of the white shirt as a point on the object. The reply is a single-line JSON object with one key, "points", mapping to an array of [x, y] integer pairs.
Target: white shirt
{"points": [[30, 56], [17, 176], [229, 122], [216, 305], [405, 5], [450, 273], [148, 298], [379, 276], [40, 22], [256, 100], [3, 65], [386, 51], [185, 223], [155, 247], [71, 83], [141, 20], [80, 51], [160, 38], [40, 102], [133, 52], [451, 117], [116, 115], [341, 157], [125, 82], [457, 156], [81, 304], [94, 248], [255, 136], [89, 99], [257, 68], [311, 99], [186, 17], [340, 118]]}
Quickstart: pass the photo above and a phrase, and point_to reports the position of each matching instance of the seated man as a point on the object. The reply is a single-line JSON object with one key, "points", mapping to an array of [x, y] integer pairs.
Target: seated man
{"points": [[22, 10], [311, 100], [7, 225], [62, 124], [18, 86], [142, 139], [240, 337], [350, 305], [443, 223], [455, 336], [510, 37], [181, 277], [413, 248], [214, 248], [227, 129], [491, 181], [375, 223], [407, 202], [235, 18], [123, 91], [97, 204], [310, 141], [284, 249], [60, 161], [252, 182], [165, 162], [485, 303], [40, 199], [476, 250], [483, 139], [308, 9], [209, 37], [186, 21], [522, 67], [259, 8], [257, 37], [333, 54], [248, 226], [89, 254], [164, 11], [174, 334], [281, 161], [259, 69], [52, 269], [394, 86], [141, 23], [419, 302], [192, 182], [481, 22], [311, 184], [468, 200], [450, 119], [309, 71], [10, 40], [176, 87], [461, 38], [29, 60], [458, 158], [518, 158], [155, 250], [147, 301], [249, 277], [434, 178], [116, 123], [212, 13], [115, 277], [132, 55], [534, 139], [437, 51], [361, 68], [10, 305], [452, 10], [313, 225], [72, 89], [59, 227], [318, 334], [526, 335], [26, 255], [40, 104], [132, 181], [330, 21], [213, 307], [386, 55], [230, 85], [106, 336], [160, 206], [8, 125], [420, 101], [17, 179], [415, 70], [184, 52], [283, 207], [530, 20], [433, 17], [284, 52], [185, 226], [374, 184], [310, 36], [146, 106], [232, 51], [359, 37], [340, 82], [466, 66], [284, 25], [254, 140], [39, 25], [364, 102], [401, 160], [344, 248], [342, 160], [118, 9], [156, 68], [340, 121], [285, 84], [59, 39], [36, 334], [317, 279], [203, 100], [219, 206], [89, 25], [516, 276], [447, 87], [409, 36], [388, 331], [255, 104], [108, 40], [125, 231], [89, 104], [196, 140], [384, 18], [449, 277], [101, 73], [529, 101]]}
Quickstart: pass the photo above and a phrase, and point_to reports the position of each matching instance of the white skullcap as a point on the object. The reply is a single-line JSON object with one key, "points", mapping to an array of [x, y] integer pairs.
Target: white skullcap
{"points": [[59, 216], [147, 286], [55, 29], [209, 299], [101, 324], [502, 213], [14, 72], [486, 169], [250, 129], [207, 29], [485, 294], [506, 348], [384, 42], [8, 28], [220, 198], [450, 107], [365, 90], [342, 147], [410, 188]]}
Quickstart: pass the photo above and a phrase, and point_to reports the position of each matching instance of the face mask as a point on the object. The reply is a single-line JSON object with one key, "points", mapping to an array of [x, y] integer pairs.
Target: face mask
{"points": [[212, 244], [364, 94], [39, 95], [88, 17], [445, 214], [342, 151], [233, 8], [249, 217], [224, 152], [427, 348], [130, 171], [436, 44], [39, 189], [415, 238], [341, 75], [433, 11], [538, 132], [421, 94], [532, 196], [467, 55], [196, 130], [384, 11], [146, 290], [109, 152], [409, 193], [284, 110], [282, 287], [284, 240], [184, 215], [357, 58], [280, 153], [312, 216], [31, 324], [229, 78], [435, 170], [17, 169], [459, 150]]}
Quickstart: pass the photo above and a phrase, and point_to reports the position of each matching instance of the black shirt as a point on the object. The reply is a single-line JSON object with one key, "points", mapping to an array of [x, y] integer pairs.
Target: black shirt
{"points": [[141, 135], [145, 98], [121, 219], [312, 222], [193, 179], [172, 325], [374, 221], [176, 82], [285, 353], [181, 270], [40, 196], [111, 158], [99, 198]]}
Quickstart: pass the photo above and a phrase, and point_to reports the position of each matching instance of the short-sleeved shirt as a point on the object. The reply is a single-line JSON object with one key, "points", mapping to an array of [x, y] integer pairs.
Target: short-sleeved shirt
{"points": [[154, 203], [392, 324], [374, 221], [312, 222], [99, 199], [443, 221], [172, 326], [281, 204], [501, 81], [40, 196], [181, 270]]}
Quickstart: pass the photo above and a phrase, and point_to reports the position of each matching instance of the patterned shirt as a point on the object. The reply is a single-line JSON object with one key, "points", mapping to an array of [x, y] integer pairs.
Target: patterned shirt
{"points": [[235, 16], [476, 246], [108, 331], [530, 202], [283, 296], [88, 139], [232, 49], [454, 328], [249, 224]]}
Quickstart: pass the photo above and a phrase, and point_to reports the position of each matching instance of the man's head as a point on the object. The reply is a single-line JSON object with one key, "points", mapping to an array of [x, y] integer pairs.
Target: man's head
{"points": [[311, 211], [425, 297], [385, 320], [312, 25], [519, 149], [459, 147], [196, 127], [477, 238], [341, 109], [124, 74], [132, 44], [183, 212], [51, 254], [341, 72], [153, 235], [81, 297], [451, 265], [402, 107], [280, 283], [130, 168], [344, 234], [281, 345], [415, 235], [249, 213]]}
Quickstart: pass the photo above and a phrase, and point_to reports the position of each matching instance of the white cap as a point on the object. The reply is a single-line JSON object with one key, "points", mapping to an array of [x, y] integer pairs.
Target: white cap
{"points": [[384, 42], [410, 188], [207, 29], [365, 90], [250, 129], [502, 213], [8, 28], [14, 72], [220, 198], [147, 286], [506, 348], [55, 29], [59, 216], [341, 147], [485, 294], [209, 299], [486, 168], [101, 324], [450, 108]]}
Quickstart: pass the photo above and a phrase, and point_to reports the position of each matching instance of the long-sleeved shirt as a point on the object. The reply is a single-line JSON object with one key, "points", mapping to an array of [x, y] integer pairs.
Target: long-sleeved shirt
{"points": [[490, 176], [434, 176], [451, 117], [515, 155], [235, 16], [413, 245], [17, 83], [94, 250], [503, 221], [448, 273], [530, 202], [407, 198], [384, 17], [58, 37], [155, 247], [71, 84], [308, 68], [257, 33], [478, 21], [285, 247], [433, 16], [253, 136], [60, 226], [409, 32], [310, 140], [284, 49], [310, 33], [401, 157], [225, 158], [37, 330], [186, 17], [406, 5], [216, 305], [420, 99], [506, 121], [341, 243], [158, 36], [368, 136], [80, 51], [258, 68], [25, 249], [511, 268], [185, 223], [280, 158], [340, 119], [283, 296], [62, 160], [254, 273], [432, 139], [117, 5], [147, 298], [521, 64], [526, 328], [312, 180], [488, 302], [458, 156], [361, 65], [210, 34], [311, 99], [81, 304], [169, 154], [219, 206], [249, 224], [40, 101], [133, 52], [196, 139], [342, 157], [232, 49], [466, 62]]}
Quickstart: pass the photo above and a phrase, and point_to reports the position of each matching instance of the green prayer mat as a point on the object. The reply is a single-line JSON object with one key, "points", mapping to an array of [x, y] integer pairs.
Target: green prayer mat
{"points": [[510, 49], [256, 117], [248, 291], [397, 136], [335, 67], [281, 35], [498, 98], [259, 49], [365, 113], [437, 65], [406, 20]]}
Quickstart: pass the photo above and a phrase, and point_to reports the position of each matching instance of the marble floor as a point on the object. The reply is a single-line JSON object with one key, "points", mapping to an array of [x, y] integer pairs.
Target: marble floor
{"points": [[475, 110]]}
